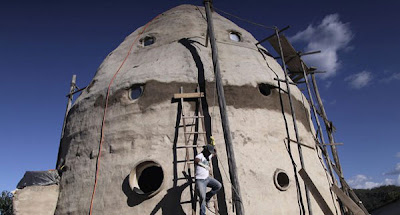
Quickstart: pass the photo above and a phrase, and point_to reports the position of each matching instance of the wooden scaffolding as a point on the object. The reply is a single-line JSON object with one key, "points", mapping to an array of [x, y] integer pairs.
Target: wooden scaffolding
{"points": [[296, 73]]}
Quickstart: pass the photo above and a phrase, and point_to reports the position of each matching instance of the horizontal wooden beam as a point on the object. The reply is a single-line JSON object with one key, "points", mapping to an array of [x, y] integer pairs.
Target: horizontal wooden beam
{"points": [[332, 144], [188, 95], [302, 144]]}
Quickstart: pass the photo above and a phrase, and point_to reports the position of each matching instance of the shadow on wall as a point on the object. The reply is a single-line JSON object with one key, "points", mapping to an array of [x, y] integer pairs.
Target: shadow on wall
{"points": [[133, 198], [170, 204]]}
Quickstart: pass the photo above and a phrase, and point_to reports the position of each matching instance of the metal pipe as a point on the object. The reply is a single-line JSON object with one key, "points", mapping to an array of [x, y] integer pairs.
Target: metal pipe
{"points": [[236, 196], [294, 118]]}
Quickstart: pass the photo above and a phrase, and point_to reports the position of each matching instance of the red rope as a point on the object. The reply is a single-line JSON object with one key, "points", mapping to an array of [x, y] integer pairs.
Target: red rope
{"points": [[105, 111]]}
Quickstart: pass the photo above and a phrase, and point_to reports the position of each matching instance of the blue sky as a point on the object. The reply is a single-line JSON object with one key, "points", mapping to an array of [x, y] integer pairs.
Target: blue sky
{"points": [[43, 43]]}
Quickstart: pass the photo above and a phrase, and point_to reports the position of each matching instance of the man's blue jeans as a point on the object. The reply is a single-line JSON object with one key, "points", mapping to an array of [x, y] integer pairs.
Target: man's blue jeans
{"points": [[202, 185]]}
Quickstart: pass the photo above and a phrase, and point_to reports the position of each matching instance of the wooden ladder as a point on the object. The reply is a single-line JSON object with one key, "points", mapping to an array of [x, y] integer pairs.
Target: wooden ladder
{"points": [[193, 97]]}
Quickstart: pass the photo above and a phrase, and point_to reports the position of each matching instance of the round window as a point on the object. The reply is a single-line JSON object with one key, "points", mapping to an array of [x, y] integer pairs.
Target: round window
{"points": [[147, 40], [135, 92], [146, 178], [265, 89], [235, 36], [281, 180]]}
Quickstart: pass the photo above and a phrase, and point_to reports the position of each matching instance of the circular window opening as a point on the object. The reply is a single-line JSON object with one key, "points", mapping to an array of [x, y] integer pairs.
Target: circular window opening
{"points": [[135, 92], [235, 36], [148, 40], [265, 89], [281, 180], [146, 178]]}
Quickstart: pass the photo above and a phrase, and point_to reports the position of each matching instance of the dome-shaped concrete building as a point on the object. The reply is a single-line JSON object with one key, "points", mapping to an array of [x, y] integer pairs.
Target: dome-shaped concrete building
{"points": [[140, 170]]}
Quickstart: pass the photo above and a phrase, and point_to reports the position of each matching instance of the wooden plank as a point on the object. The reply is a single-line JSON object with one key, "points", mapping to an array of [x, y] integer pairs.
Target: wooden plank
{"points": [[314, 191], [188, 95], [349, 203], [354, 196], [302, 144], [332, 144]]}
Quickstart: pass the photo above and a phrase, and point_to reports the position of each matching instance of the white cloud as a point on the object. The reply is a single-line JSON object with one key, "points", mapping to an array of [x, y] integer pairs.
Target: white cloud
{"points": [[362, 182], [329, 36], [390, 181], [359, 80], [392, 77], [395, 171], [398, 154]]}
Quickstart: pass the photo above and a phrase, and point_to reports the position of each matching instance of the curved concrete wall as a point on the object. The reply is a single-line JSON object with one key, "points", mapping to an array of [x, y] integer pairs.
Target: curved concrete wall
{"points": [[145, 128]]}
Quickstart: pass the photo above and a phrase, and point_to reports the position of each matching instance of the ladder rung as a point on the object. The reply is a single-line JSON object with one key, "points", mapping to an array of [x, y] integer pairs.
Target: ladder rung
{"points": [[188, 95], [184, 178], [277, 79], [186, 202], [190, 146], [182, 161], [194, 132], [191, 117], [181, 126]]}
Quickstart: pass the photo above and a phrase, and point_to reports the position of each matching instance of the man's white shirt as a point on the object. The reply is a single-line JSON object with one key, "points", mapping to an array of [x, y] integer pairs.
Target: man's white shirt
{"points": [[201, 172]]}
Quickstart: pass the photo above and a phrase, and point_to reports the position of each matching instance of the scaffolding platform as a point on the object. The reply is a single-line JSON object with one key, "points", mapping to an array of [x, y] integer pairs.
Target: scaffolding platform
{"points": [[292, 58]]}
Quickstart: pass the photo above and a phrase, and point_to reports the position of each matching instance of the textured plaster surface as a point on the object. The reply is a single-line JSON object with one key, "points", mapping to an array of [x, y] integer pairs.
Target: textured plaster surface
{"points": [[142, 129], [35, 200]]}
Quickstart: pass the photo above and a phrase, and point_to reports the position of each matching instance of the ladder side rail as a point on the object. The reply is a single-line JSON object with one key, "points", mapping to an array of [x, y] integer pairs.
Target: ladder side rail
{"points": [[184, 131], [294, 118], [187, 158], [328, 130], [202, 122], [327, 124], [345, 187], [321, 136]]}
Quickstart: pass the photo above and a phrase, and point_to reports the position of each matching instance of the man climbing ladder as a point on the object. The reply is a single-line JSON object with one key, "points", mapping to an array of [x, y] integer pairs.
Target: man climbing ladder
{"points": [[203, 178]]}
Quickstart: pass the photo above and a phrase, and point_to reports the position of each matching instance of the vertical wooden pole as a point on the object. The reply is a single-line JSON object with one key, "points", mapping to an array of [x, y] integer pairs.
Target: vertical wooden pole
{"points": [[327, 125], [224, 118], [293, 117], [69, 103], [70, 98], [346, 188], [324, 149]]}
